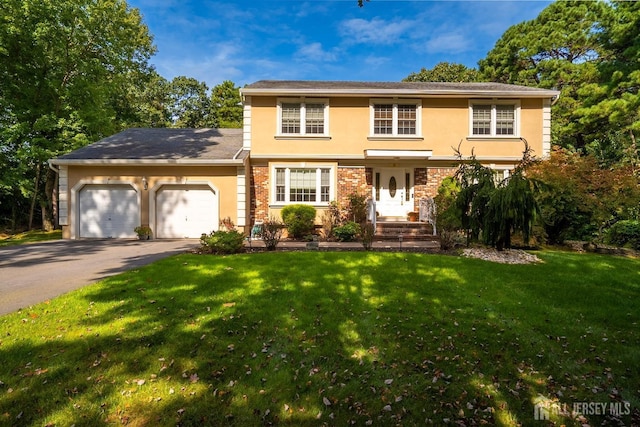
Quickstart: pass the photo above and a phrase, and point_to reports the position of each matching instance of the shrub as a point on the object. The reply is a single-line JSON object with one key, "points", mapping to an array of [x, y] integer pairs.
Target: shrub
{"points": [[331, 218], [272, 233], [299, 219], [347, 232], [625, 233], [357, 208], [223, 242], [447, 215], [367, 233]]}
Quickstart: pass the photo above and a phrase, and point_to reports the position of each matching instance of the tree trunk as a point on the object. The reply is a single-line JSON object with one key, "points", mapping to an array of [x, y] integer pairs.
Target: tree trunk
{"points": [[35, 196], [50, 206]]}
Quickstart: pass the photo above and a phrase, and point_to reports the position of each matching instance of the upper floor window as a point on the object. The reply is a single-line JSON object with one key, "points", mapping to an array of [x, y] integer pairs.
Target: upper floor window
{"points": [[298, 117], [494, 119], [395, 118]]}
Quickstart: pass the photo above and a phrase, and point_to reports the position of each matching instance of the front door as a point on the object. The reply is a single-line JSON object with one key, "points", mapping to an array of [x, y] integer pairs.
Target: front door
{"points": [[392, 188]]}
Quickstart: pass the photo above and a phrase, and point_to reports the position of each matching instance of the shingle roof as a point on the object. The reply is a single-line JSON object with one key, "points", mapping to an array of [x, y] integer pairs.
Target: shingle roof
{"points": [[162, 144], [389, 88]]}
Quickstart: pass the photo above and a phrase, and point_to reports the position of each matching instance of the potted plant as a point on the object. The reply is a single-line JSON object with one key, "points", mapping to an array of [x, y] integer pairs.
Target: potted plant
{"points": [[412, 216], [143, 232]]}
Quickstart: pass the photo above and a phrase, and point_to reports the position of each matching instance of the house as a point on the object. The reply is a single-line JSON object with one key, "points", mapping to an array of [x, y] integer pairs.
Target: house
{"points": [[302, 142]]}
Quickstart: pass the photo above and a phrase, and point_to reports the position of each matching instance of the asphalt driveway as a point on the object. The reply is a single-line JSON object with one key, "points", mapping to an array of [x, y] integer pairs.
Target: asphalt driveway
{"points": [[34, 273]]}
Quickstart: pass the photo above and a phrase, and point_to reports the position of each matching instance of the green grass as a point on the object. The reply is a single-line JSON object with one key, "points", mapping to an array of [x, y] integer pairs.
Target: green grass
{"points": [[29, 237], [315, 338]]}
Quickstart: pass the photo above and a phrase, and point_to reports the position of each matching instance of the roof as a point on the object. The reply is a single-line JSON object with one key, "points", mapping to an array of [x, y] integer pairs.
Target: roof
{"points": [[417, 89], [162, 145]]}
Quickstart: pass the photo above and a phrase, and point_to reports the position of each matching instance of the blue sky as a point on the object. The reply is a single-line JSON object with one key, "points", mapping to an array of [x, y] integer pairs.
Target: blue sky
{"points": [[249, 40]]}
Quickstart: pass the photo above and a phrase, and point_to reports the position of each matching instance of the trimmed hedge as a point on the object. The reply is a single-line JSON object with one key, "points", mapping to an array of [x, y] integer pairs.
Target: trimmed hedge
{"points": [[299, 220]]}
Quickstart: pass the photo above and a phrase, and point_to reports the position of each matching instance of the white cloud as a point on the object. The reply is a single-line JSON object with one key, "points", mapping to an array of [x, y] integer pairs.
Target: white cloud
{"points": [[375, 31], [449, 43], [315, 52]]}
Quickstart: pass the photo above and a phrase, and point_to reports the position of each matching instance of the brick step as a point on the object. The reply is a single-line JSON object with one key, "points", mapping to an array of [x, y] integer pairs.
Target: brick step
{"points": [[392, 230]]}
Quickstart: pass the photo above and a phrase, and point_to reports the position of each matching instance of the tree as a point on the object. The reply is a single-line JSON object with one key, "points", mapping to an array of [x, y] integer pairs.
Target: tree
{"points": [[445, 72], [495, 210], [560, 49], [225, 106], [60, 63], [189, 107]]}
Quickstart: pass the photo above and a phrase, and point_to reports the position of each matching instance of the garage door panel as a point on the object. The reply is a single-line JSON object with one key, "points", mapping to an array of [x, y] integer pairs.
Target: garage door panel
{"points": [[186, 211], [108, 211]]}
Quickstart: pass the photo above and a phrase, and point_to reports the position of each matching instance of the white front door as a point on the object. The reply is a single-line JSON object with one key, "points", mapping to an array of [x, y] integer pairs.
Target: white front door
{"points": [[186, 211], [393, 191]]}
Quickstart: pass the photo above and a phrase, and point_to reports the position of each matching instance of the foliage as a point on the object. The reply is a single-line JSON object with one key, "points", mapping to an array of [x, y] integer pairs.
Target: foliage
{"points": [[344, 338], [271, 233], [558, 49], [223, 242], [445, 72], [625, 233], [143, 230], [347, 232], [357, 208], [225, 106], [299, 219], [189, 106], [63, 63], [493, 210], [331, 218], [447, 217], [579, 198], [367, 234]]}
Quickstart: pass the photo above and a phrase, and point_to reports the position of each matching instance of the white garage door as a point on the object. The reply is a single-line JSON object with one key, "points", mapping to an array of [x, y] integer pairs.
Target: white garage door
{"points": [[186, 211], [108, 211]]}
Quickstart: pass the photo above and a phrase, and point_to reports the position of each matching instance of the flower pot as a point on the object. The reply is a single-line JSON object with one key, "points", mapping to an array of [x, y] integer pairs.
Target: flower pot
{"points": [[413, 216]]}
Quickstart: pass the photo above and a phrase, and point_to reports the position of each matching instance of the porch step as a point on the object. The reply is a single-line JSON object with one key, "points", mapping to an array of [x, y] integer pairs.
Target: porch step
{"points": [[393, 229]]}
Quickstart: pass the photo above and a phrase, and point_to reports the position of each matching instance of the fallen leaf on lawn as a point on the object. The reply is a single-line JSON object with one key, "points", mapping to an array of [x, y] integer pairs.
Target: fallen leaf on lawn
{"points": [[194, 378], [387, 408], [389, 381], [228, 304], [326, 401]]}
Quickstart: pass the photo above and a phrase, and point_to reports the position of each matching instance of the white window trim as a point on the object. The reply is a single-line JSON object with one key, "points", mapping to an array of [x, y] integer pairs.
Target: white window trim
{"points": [[395, 102], [494, 103], [303, 127], [287, 182]]}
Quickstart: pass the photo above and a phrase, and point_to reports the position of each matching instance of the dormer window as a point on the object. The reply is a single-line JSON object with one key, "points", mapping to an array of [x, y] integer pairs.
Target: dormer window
{"points": [[303, 117]]}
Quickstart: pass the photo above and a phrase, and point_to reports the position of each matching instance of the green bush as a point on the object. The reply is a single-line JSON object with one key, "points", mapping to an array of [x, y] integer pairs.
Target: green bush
{"points": [[347, 232], [299, 220], [357, 208], [271, 233], [625, 233], [223, 242]]}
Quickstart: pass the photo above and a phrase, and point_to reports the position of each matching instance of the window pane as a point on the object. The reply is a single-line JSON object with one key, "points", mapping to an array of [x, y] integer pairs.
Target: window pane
{"points": [[407, 119], [315, 118], [325, 184], [280, 182], [481, 119], [383, 119], [290, 118], [505, 120], [302, 186]]}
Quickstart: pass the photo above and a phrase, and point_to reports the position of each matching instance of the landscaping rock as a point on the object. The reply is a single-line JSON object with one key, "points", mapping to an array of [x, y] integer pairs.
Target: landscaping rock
{"points": [[507, 256]]}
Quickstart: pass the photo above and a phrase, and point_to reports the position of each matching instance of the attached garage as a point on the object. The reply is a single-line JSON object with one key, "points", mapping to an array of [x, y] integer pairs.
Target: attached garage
{"points": [[108, 211], [186, 211], [179, 182]]}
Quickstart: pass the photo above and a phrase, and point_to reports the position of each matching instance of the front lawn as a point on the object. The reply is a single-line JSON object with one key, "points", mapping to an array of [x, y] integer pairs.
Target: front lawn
{"points": [[335, 338]]}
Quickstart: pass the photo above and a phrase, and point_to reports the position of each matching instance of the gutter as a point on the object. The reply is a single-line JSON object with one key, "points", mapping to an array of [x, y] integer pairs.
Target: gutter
{"points": [[149, 162]]}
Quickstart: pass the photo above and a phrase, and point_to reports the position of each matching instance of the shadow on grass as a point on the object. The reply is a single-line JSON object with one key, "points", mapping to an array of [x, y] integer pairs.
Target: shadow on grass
{"points": [[327, 338]]}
